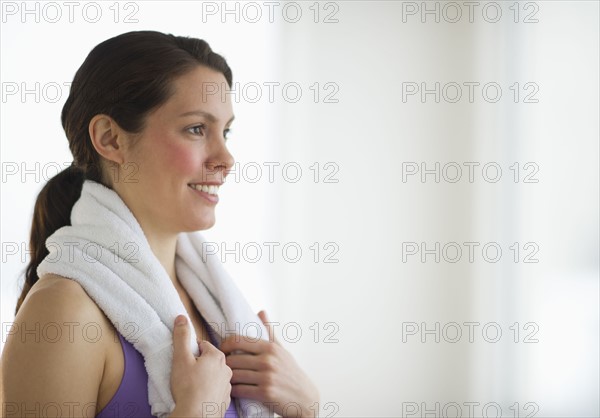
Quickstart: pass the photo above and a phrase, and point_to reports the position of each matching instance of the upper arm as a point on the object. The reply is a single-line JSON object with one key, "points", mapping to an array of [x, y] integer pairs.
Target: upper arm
{"points": [[53, 360]]}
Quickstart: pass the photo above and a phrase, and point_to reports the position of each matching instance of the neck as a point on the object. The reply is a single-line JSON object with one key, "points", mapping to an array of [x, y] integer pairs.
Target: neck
{"points": [[163, 243], [163, 246]]}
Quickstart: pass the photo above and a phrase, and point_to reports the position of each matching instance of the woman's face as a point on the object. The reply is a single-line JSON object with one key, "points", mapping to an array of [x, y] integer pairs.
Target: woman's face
{"points": [[182, 144]]}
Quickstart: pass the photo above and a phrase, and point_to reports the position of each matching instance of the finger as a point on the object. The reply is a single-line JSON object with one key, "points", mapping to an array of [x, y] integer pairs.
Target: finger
{"points": [[244, 362], [207, 348], [263, 317], [248, 377], [203, 346], [181, 348], [243, 343], [247, 391]]}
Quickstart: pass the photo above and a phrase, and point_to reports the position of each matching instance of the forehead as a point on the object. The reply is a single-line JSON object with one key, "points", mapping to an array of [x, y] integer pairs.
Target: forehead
{"points": [[201, 89]]}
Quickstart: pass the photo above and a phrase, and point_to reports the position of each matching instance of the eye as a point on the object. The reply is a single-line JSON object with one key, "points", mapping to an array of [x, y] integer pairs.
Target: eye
{"points": [[226, 133], [197, 130]]}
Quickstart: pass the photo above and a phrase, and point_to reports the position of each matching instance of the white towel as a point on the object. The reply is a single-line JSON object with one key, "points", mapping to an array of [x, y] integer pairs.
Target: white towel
{"points": [[106, 251]]}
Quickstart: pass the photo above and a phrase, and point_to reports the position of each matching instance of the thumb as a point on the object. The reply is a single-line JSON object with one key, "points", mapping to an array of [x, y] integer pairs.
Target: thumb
{"points": [[270, 329], [181, 345]]}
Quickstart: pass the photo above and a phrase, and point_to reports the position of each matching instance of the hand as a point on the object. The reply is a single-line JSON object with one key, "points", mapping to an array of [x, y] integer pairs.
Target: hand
{"points": [[267, 372], [199, 385]]}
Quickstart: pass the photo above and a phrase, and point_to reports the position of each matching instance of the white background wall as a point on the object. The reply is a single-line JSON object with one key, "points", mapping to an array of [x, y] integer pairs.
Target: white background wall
{"points": [[368, 299]]}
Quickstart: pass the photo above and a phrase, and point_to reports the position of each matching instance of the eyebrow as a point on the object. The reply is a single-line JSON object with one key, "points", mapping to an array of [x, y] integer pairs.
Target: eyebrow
{"points": [[207, 115]]}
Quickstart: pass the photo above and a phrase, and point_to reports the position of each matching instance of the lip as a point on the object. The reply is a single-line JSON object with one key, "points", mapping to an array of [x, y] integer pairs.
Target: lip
{"points": [[211, 198], [210, 183]]}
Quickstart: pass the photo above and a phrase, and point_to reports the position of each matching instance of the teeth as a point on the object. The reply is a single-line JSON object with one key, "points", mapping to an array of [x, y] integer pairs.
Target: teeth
{"points": [[205, 188]]}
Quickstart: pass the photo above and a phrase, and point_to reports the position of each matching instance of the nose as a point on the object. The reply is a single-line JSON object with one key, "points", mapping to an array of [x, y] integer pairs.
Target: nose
{"points": [[222, 160]]}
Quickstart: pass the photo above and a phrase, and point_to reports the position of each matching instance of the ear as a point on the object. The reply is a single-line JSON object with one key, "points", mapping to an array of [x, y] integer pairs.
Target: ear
{"points": [[107, 138]]}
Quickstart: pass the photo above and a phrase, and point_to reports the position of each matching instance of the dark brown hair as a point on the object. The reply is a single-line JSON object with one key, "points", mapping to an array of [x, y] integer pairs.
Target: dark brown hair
{"points": [[125, 77]]}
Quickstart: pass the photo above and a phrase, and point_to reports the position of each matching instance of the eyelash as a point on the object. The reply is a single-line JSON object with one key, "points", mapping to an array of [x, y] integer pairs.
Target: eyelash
{"points": [[201, 126]]}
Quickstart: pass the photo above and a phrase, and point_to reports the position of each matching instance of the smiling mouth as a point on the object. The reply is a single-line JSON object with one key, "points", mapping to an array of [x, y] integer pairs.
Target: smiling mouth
{"points": [[206, 191], [210, 189]]}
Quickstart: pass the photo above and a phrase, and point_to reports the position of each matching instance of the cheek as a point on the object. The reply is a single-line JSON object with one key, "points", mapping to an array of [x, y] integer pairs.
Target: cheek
{"points": [[183, 159]]}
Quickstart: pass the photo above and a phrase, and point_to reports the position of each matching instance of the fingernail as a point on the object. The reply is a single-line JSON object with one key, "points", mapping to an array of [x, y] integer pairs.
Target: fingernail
{"points": [[181, 320]]}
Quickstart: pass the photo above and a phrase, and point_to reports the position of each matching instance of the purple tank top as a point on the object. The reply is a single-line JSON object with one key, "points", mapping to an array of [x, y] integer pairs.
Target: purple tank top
{"points": [[131, 398]]}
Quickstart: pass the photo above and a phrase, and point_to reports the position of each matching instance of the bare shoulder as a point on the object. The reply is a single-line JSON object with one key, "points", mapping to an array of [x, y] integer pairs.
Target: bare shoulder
{"points": [[55, 351], [53, 283], [62, 296], [58, 310], [67, 302]]}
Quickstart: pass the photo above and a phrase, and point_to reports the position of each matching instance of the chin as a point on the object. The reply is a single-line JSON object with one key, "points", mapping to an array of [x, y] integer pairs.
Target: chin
{"points": [[201, 224]]}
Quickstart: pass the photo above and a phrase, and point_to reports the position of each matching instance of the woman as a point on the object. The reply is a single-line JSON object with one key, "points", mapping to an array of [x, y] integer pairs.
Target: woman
{"points": [[139, 122]]}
